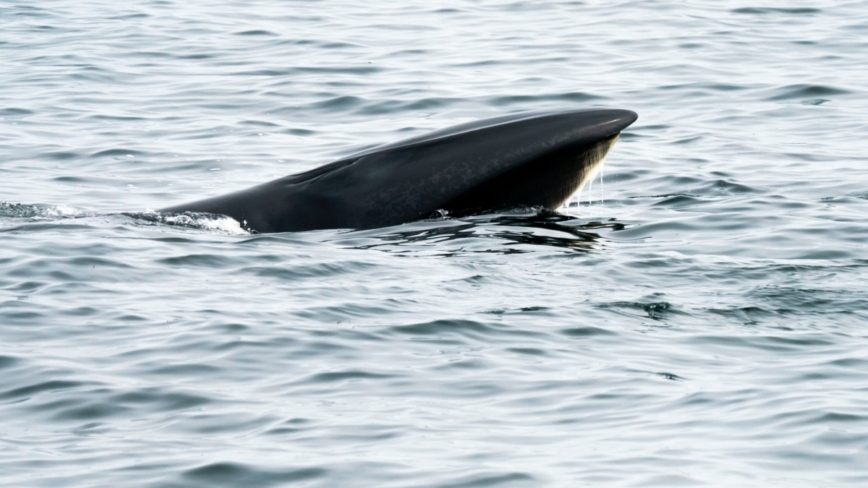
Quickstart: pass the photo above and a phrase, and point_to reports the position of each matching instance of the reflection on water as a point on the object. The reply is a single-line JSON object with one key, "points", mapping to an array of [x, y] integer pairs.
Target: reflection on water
{"points": [[501, 231]]}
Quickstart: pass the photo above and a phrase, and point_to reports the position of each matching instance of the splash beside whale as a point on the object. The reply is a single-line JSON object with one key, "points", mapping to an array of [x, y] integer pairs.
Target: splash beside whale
{"points": [[534, 159]]}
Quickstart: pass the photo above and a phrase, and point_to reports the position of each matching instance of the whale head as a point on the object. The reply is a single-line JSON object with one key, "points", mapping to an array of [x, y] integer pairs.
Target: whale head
{"points": [[534, 159]]}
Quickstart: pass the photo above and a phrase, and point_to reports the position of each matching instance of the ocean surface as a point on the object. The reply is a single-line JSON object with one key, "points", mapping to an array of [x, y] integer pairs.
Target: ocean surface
{"points": [[698, 317]]}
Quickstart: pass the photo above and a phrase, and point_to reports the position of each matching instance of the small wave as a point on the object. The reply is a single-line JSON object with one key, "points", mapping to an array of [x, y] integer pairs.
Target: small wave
{"points": [[587, 331], [193, 220], [444, 327], [773, 10], [8, 362], [235, 474], [15, 112], [117, 153], [802, 91], [256, 32]]}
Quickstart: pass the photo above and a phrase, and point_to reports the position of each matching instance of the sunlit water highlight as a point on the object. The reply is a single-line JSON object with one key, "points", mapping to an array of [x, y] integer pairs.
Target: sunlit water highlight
{"points": [[704, 324]]}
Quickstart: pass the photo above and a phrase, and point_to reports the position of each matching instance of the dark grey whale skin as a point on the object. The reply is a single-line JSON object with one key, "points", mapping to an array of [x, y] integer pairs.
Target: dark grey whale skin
{"points": [[523, 159]]}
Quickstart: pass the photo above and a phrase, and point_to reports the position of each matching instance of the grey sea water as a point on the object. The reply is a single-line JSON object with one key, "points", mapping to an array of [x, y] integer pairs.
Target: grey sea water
{"points": [[698, 318]]}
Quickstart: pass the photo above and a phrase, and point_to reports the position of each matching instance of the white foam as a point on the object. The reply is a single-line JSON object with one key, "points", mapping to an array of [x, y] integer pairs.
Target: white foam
{"points": [[211, 222], [61, 211], [37, 212]]}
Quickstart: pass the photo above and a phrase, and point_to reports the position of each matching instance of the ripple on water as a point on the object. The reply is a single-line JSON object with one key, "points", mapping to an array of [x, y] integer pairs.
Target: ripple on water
{"points": [[26, 392], [703, 323], [446, 328], [799, 92], [776, 10], [7, 362], [235, 474]]}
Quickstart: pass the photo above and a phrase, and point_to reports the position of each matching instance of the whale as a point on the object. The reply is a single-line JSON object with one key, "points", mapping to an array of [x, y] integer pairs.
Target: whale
{"points": [[528, 159]]}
